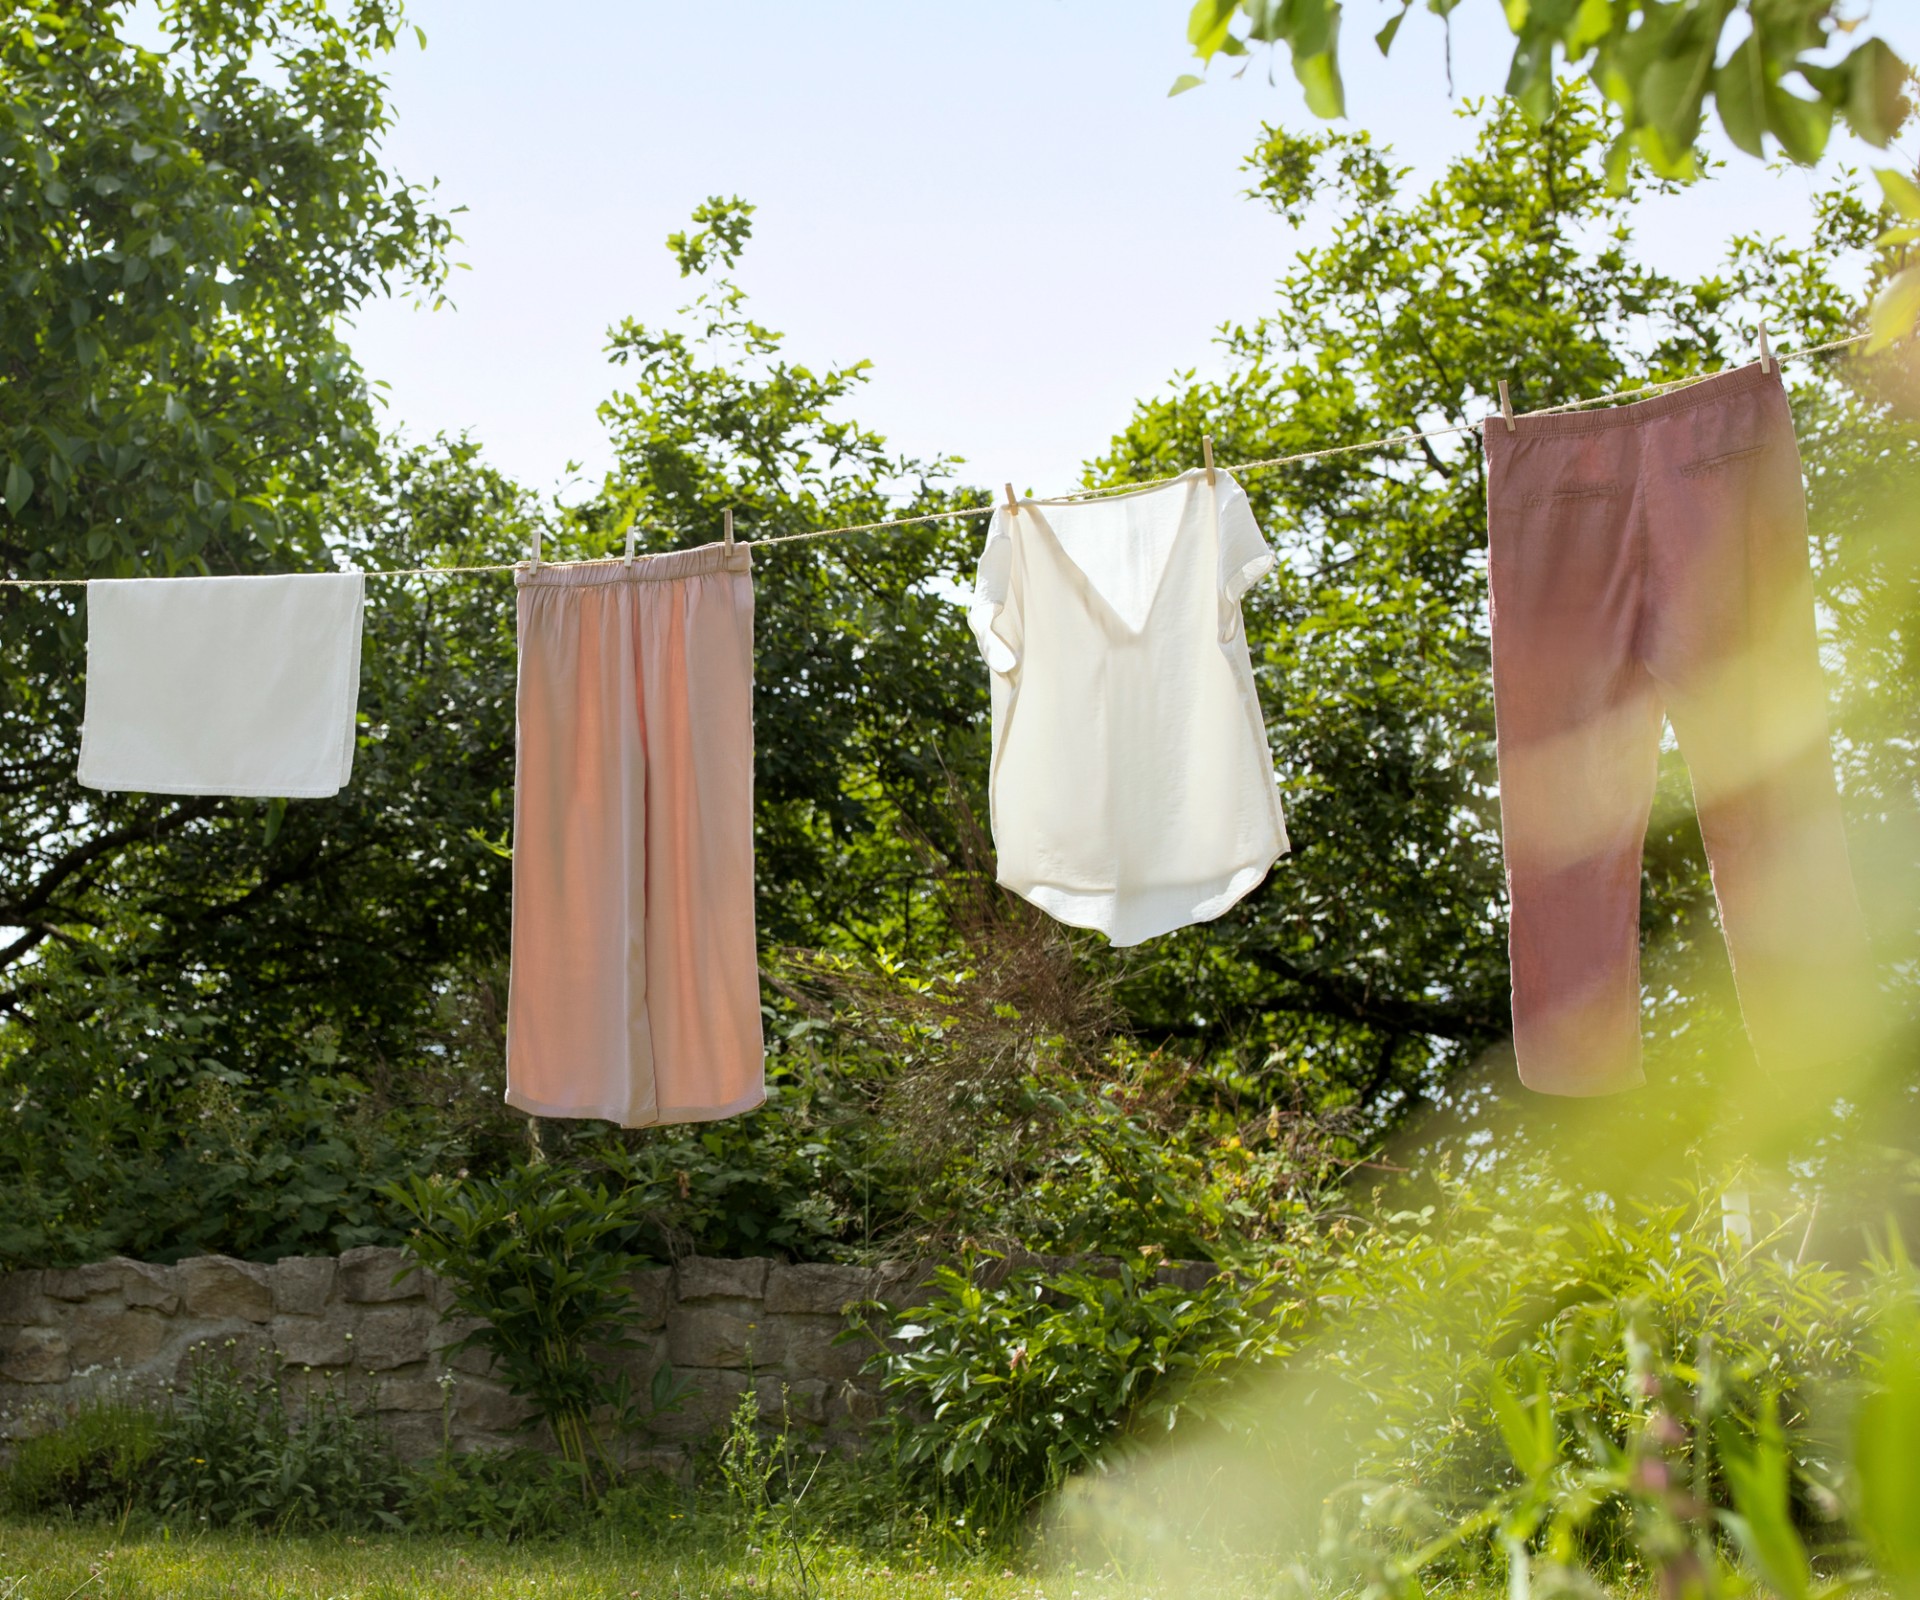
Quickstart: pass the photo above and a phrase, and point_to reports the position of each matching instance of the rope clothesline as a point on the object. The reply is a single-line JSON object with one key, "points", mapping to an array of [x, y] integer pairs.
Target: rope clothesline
{"points": [[924, 519]]}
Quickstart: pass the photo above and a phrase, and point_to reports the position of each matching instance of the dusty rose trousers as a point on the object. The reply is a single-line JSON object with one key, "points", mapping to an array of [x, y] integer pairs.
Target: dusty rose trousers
{"points": [[635, 991], [1650, 562]]}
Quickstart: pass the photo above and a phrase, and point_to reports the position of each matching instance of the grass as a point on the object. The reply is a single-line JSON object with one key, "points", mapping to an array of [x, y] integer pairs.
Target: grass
{"points": [[81, 1562]]}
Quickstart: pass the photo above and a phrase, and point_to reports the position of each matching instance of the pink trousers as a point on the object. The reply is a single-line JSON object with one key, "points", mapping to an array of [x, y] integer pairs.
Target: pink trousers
{"points": [[1646, 563], [635, 988]]}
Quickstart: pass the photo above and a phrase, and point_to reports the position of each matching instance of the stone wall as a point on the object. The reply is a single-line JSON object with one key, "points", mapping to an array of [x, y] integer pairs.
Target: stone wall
{"points": [[366, 1322]]}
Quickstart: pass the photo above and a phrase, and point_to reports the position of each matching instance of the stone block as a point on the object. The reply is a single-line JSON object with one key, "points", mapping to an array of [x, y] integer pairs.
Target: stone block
{"points": [[302, 1285], [813, 1347], [251, 1350], [652, 1296], [476, 1362], [313, 1341], [901, 1283], [488, 1407], [857, 1406], [391, 1336], [414, 1435], [102, 1335], [798, 1400], [218, 1287], [35, 1355], [704, 1412], [371, 1273], [817, 1290], [21, 1301], [409, 1389], [144, 1284], [81, 1283], [715, 1336], [714, 1278]]}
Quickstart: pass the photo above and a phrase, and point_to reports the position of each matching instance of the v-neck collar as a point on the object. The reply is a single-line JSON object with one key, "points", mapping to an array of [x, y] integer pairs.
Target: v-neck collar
{"points": [[1135, 617]]}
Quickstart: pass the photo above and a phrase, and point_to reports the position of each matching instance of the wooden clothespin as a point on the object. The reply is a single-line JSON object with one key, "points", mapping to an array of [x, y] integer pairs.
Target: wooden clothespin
{"points": [[535, 560], [726, 523], [630, 522], [1766, 350], [1206, 452], [1506, 405], [1012, 504]]}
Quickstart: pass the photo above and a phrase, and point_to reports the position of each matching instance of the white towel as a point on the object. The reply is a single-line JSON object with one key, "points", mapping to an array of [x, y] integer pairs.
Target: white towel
{"points": [[242, 686]]}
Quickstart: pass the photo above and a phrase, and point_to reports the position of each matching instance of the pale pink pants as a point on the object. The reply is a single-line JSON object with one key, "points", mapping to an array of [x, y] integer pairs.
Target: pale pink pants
{"points": [[1650, 561], [635, 990]]}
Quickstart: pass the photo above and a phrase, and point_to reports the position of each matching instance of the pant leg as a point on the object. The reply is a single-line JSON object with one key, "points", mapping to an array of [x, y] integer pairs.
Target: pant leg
{"points": [[1578, 729], [695, 667], [1732, 638], [578, 1035]]}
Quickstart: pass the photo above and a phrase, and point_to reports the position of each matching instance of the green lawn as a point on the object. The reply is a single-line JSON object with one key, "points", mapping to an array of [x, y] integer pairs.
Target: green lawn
{"points": [[76, 1563]]}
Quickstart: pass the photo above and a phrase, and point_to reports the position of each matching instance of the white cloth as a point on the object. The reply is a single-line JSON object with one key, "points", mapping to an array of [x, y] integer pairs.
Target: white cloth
{"points": [[1132, 788], [241, 686]]}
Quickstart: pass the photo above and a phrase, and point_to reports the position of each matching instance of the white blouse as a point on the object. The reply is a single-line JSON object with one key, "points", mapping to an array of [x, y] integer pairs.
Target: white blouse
{"points": [[1132, 788]]}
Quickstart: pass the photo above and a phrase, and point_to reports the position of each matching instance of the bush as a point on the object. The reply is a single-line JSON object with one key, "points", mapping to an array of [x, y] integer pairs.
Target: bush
{"points": [[237, 1450], [94, 1458], [1004, 1389], [542, 1261]]}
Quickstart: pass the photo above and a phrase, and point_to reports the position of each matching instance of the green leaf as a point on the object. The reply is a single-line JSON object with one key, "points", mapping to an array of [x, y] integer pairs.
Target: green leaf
{"points": [[1757, 1477], [1887, 1442], [1902, 193], [1316, 40], [1384, 38], [1895, 312], [1208, 24], [19, 486], [1183, 83], [1801, 126], [1876, 103], [1526, 1427], [1739, 90]]}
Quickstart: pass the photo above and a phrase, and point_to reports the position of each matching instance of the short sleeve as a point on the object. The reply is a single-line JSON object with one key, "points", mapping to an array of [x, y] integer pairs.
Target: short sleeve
{"points": [[996, 632], [1244, 556]]}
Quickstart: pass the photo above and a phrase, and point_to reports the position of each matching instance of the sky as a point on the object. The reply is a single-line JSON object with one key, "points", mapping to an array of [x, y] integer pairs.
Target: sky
{"points": [[996, 203]]}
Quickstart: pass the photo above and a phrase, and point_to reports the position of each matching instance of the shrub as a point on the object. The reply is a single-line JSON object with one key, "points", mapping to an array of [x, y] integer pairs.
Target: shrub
{"points": [[236, 1449], [94, 1458], [543, 1261], [1005, 1388]]}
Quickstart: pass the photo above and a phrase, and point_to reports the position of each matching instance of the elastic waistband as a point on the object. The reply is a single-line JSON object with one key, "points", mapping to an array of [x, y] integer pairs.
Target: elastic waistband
{"points": [[1721, 386], [666, 565]]}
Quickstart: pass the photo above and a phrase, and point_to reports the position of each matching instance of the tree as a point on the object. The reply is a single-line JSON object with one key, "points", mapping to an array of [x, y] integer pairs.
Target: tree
{"points": [[1658, 63], [867, 705], [1373, 959], [182, 238]]}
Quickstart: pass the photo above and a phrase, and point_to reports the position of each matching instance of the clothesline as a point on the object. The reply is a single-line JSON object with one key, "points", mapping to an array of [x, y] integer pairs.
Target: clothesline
{"points": [[1385, 443]]}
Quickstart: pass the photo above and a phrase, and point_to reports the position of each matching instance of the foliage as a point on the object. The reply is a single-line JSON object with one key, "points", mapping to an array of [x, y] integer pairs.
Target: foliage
{"points": [[526, 1494], [241, 1447], [543, 1261], [1370, 969], [1457, 1321], [1008, 1382], [93, 1456], [1657, 63], [1896, 308], [693, 1561], [173, 1153], [769, 1490], [865, 698]]}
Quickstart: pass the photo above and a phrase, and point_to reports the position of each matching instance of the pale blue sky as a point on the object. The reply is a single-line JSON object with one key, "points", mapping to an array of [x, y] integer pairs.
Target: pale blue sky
{"points": [[996, 203]]}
